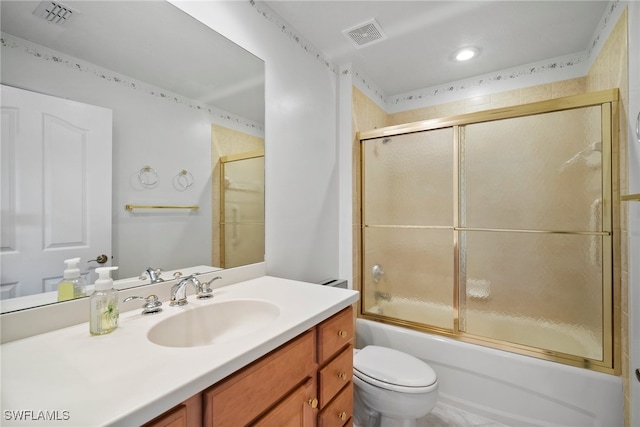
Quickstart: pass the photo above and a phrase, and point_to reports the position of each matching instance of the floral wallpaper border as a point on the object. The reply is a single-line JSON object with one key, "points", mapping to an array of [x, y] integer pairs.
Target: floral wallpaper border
{"points": [[8, 41], [551, 65]]}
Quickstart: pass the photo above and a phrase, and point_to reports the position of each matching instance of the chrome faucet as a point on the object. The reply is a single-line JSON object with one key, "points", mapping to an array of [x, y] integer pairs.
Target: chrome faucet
{"points": [[153, 274], [179, 290]]}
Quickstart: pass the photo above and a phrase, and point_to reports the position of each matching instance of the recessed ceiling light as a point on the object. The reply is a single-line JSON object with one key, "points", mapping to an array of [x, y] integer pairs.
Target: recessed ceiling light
{"points": [[466, 53]]}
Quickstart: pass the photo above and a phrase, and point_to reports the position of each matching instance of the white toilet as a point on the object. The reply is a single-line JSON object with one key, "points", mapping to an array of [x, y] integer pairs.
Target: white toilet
{"points": [[391, 388]]}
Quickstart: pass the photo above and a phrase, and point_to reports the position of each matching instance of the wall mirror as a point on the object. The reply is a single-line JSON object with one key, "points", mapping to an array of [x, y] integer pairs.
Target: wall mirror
{"points": [[180, 97]]}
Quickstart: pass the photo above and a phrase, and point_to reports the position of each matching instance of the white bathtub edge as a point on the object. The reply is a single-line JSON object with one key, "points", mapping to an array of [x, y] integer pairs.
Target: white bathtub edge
{"points": [[509, 388]]}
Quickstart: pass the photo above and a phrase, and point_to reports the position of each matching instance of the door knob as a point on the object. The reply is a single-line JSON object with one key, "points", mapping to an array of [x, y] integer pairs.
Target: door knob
{"points": [[101, 259]]}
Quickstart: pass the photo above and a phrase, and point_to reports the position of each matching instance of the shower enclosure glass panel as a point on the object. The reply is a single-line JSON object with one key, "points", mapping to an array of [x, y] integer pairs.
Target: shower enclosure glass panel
{"points": [[408, 232], [532, 289], [417, 270], [409, 179], [531, 192], [242, 210], [497, 228], [541, 172]]}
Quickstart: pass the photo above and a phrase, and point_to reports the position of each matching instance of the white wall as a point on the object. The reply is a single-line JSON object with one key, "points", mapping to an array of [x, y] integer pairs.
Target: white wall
{"points": [[634, 208], [300, 140], [146, 131]]}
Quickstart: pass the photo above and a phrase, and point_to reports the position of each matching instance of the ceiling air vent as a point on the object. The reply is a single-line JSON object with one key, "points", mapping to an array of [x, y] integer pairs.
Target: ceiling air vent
{"points": [[365, 34], [54, 12]]}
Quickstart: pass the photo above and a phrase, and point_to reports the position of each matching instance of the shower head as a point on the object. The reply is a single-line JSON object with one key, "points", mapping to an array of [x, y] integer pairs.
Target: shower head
{"points": [[592, 156]]}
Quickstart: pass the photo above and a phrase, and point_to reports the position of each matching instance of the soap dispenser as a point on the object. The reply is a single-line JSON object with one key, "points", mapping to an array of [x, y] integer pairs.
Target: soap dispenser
{"points": [[103, 304], [72, 284]]}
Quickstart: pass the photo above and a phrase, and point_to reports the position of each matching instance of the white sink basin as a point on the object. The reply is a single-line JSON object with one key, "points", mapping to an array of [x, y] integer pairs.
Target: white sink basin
{"points": [[214, 323]]}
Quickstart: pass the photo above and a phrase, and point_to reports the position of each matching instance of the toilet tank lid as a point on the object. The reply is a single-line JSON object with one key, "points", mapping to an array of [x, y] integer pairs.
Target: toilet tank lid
{"points": [[393, 367]]}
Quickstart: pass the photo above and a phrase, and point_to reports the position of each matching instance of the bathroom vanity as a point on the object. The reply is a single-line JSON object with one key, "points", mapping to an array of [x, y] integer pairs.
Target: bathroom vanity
{"points": [[305, 381], [287, 361]]}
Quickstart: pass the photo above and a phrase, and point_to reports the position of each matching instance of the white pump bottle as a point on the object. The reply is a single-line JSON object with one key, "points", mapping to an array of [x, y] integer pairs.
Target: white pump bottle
{"points": [[72, 284], [104, 311]]}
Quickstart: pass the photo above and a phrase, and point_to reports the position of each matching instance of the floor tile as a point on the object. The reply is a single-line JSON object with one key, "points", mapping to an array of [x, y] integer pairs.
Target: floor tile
{"points": [[444, 415]]}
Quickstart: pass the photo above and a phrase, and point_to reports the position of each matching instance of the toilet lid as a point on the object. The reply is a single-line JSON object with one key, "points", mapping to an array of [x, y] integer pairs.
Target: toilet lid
{"points": [[386, 366]]}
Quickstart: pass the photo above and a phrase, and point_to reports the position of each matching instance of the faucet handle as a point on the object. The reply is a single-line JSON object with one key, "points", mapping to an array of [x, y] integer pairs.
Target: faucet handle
{"points": [[153, 274], [205, 289], [152, 304], [213, 280]]}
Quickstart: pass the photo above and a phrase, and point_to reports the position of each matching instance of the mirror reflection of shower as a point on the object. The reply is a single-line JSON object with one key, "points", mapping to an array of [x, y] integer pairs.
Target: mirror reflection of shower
{"points": [[242, 209]]}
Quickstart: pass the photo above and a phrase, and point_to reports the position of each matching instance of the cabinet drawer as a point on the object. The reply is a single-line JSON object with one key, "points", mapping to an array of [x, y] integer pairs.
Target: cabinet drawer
{"points": [[334, 333], [242, 397], [335, 375], [339, 411]]}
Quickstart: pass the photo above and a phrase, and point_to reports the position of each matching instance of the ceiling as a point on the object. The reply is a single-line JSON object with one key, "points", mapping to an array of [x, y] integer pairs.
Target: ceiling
{"points": [[123, 36], [417, 54], [422, 36]]}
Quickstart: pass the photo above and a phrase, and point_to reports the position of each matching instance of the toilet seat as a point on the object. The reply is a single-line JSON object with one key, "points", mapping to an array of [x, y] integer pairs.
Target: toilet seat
{"points": [[393, 370]]}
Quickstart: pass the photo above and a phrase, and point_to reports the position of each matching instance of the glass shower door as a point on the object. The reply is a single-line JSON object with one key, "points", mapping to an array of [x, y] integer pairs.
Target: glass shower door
{"points": [[408, 227], [533, 231]]}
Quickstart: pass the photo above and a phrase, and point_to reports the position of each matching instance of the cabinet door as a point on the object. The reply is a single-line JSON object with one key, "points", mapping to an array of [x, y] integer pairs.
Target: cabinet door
{"points": [[296, 410], [241, 398], [186, 414]]}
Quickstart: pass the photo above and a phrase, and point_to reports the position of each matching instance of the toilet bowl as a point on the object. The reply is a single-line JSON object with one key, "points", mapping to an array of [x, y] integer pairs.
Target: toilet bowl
{"points": [[391, 388]]}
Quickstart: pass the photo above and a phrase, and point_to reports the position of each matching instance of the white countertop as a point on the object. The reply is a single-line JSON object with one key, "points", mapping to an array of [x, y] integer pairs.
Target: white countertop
{"points": [[123, 379]]}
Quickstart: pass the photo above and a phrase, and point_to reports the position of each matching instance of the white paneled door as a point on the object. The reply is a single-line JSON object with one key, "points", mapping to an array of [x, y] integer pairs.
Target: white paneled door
{"points": [[56, 189]]}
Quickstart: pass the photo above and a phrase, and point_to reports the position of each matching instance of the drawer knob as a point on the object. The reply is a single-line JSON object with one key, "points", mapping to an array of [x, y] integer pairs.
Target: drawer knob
{"points": [[342, 376], [313, 403], [342, 416], [342, 333]]}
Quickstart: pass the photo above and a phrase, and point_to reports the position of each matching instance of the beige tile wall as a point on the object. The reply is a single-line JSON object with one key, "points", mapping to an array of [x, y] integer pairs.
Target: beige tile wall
{"points": [[496, 100], [610, 70]]}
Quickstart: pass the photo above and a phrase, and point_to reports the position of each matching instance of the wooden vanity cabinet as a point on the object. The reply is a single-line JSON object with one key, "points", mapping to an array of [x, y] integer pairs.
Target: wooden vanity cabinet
{"points": [[304, 383]]}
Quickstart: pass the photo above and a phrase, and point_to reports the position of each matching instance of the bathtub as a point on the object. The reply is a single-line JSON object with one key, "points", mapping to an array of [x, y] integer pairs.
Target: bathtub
{"points": [[509, 388], [560, 337]]}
